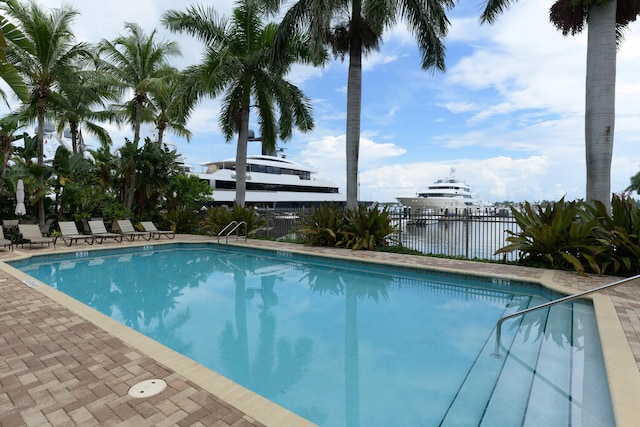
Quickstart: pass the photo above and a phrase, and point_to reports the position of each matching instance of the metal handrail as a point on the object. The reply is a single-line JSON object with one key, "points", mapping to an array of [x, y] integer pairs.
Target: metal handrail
{"points": [[235, 228], [496, 352], [225, 229]]}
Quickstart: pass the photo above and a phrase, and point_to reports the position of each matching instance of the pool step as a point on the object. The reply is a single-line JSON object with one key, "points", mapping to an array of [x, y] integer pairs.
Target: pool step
{"points": [[470, 402], [528, 386]]}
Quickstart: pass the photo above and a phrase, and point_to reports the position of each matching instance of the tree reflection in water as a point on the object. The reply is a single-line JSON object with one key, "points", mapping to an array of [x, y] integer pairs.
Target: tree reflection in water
{"points": [[277, 364], [331, 281]]}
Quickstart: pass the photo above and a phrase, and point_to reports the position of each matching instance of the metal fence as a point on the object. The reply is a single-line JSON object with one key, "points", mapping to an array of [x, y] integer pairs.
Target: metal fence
{"points": [[472, 237]]}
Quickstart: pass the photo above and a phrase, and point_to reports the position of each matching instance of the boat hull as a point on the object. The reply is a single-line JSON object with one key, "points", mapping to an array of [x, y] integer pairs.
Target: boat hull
{"points": [[439, 205]]}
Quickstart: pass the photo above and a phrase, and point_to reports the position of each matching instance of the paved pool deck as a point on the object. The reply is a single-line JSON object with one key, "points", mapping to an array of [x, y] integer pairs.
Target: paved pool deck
{"points": [[64, 364]]}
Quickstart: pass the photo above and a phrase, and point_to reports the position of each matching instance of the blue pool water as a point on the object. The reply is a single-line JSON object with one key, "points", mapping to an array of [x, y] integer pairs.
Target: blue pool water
{"points": [[352, 344]]}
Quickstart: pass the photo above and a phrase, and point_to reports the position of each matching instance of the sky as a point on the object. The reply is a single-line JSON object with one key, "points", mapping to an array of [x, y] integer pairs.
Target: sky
{"points": [[507, 115]]}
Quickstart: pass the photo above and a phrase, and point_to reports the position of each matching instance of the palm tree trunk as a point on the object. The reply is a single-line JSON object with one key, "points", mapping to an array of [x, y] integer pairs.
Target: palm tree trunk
{"points": [[132, 168], [241, 157], [600, 101], [42, 102], [354, 106]]}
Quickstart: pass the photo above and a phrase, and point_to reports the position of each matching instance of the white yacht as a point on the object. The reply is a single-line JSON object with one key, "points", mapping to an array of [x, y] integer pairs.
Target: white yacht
{"points": [[271, 182], [446, 196]]}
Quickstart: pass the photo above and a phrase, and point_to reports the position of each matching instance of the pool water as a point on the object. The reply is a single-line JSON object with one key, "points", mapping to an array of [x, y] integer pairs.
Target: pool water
{"points": [[352, 344]]}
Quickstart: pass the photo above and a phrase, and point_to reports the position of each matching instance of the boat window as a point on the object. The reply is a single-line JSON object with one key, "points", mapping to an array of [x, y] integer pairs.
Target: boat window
{"points": [[257, 186]]}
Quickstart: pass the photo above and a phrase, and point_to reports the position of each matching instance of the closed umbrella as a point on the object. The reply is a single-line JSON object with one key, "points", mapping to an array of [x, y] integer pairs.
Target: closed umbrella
{"points": [[20, 209]]}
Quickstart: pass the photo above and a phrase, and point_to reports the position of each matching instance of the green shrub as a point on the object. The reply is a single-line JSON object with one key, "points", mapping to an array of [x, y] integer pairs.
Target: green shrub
{"points": [[368, 228], [322, 226], [557, 235], [618, 236], [216, 219], [360, 228]]}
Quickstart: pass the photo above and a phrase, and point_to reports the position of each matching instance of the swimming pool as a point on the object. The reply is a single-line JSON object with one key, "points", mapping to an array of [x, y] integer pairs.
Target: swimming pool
{"points": [[351, 343]]}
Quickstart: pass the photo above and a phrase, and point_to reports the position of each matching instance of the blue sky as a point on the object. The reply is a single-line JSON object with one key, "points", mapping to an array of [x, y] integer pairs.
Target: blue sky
{"points": [[508, 113]]}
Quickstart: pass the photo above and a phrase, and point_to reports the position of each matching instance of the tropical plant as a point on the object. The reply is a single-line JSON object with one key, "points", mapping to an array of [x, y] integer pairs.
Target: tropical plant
{"points": [[606, 19], [360, 228], [138, 63], [368, 228], [46, 53], [167, 112], [635, 183], [216, 219], [81, 104], [8, 72], [355, 28], [322, 226], [9, 125], [183, 199], [618, 235], [556, 234], [238, 63]]}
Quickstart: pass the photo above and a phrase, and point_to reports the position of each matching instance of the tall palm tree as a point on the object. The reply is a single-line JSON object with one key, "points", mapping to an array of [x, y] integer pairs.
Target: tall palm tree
{"points": [[136, 61], [355, 28], [604, 20], [48, 52], [237, 63]]}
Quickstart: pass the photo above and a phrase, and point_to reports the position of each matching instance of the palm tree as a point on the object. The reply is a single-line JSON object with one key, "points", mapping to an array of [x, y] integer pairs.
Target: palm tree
{"points": [[167, 115], [355, 28], [605, 19], [9, 125], [136, 61], [79, 104], [48, 53], [8, 72], [237, 63]]}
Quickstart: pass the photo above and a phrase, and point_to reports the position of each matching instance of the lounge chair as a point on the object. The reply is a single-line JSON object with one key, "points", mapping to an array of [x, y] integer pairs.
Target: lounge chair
{"points": [[69, 233], [32, 233], [99, 232], [5, 242], [155, 233], [130, 233]]}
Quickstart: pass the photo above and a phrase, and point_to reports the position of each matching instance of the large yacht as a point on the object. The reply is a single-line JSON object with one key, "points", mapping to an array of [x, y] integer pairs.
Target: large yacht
{"points": [[446, 196], [271, 182]]}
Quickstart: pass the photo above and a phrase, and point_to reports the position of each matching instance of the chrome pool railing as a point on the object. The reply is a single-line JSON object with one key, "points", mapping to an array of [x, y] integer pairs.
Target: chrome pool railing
{"points": [[496, 352], [236, 225]]}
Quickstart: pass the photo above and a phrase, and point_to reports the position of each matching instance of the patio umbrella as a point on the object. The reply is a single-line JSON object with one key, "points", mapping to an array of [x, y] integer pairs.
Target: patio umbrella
{"points": [[20, 209]]}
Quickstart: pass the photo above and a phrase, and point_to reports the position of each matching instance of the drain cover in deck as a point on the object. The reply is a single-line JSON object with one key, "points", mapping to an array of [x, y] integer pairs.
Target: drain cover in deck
{"points": [[147, 388]]}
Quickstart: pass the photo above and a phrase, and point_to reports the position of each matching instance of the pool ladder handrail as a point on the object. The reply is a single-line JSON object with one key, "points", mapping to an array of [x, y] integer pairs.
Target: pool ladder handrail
{"points": [[496, 352], [237, 226]]}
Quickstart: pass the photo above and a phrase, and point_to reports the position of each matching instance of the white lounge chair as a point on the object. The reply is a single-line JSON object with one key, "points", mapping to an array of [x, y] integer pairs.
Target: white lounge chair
{"points": [[69, 233], [99, 232], [130, 233], [5, 242], [32, 233], [155, 233]]}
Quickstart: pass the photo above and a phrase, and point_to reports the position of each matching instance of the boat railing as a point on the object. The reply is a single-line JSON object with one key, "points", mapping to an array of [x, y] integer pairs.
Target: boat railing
{"points": [[496, 352], [235, 226]]}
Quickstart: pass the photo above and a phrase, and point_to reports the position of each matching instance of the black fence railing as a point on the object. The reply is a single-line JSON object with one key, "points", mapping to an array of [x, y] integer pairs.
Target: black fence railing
{"points": [[469, 236]]}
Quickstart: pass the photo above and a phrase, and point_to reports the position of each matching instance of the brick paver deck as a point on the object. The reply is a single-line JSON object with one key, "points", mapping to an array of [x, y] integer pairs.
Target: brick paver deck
{"points": [[57, 368]]}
